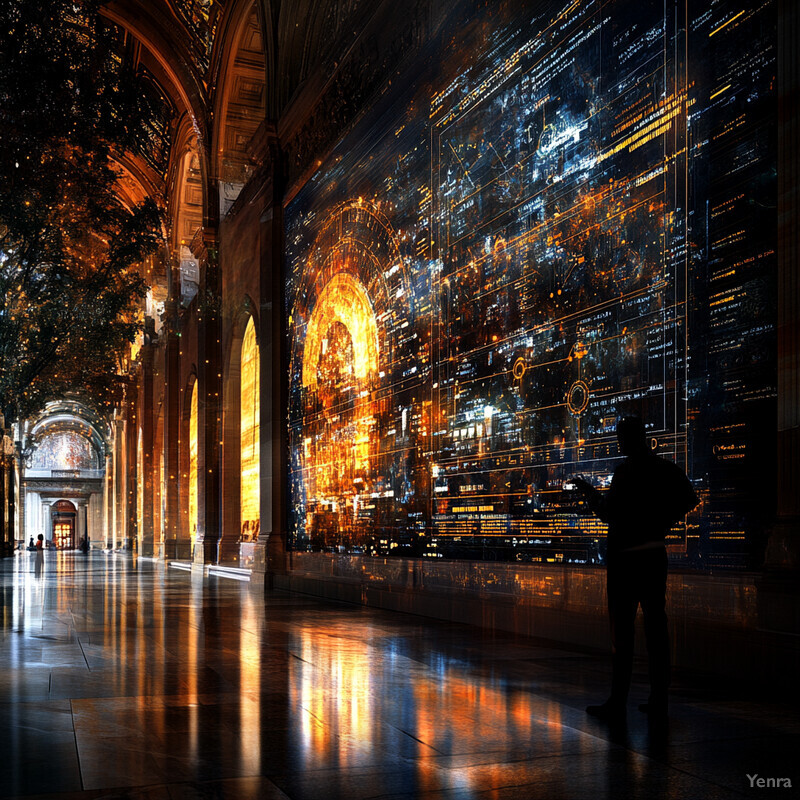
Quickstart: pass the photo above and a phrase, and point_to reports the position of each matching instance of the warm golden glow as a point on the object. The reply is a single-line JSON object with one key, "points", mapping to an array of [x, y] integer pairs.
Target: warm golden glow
{"points": [[250, 448], [340, 365], [62, 533], [343, 300], [193, 467]]}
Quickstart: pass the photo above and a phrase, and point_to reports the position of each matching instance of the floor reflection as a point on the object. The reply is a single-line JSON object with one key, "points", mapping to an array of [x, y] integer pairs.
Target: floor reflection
{"points": [[128, 675]]}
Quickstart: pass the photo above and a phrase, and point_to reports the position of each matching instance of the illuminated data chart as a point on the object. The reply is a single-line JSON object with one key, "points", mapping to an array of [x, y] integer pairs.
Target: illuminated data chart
{"points": [[567, 217]]}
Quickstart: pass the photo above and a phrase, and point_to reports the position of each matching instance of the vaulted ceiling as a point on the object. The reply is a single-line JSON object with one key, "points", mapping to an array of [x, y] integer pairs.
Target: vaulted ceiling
{"points": [[224, 68]]}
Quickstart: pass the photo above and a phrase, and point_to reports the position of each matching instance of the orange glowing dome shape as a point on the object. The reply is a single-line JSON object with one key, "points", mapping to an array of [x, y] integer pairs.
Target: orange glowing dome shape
{"points": [[343, 299]]}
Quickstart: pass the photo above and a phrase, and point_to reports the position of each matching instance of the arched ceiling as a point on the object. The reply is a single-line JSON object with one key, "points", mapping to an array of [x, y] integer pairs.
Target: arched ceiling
{"points": [[68, 415], [226, 67]]}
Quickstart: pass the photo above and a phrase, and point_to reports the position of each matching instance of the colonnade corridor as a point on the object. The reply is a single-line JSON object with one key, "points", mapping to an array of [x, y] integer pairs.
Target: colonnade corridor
{"points": [[121, 678]]}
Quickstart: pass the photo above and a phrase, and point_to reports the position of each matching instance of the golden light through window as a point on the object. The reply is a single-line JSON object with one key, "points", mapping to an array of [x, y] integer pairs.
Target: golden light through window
{"points": [[193, 467], [250, 448]]}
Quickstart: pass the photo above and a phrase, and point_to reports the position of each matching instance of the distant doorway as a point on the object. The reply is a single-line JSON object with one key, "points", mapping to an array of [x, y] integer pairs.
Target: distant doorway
{"points": [[64, 514]]}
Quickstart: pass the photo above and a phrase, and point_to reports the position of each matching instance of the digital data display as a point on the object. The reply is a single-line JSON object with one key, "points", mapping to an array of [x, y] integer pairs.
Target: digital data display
{"points": [[566, 214]]}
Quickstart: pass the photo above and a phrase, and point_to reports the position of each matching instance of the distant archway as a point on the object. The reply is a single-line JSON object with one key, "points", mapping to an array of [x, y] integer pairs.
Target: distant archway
{"points": [[64, 456]]}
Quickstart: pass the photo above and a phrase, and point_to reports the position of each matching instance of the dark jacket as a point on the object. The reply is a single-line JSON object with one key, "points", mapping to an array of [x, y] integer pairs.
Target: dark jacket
{"points": [[647, 496]]}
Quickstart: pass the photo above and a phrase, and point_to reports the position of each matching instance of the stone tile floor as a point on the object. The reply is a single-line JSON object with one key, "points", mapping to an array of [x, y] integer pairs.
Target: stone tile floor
{"points": [[122, 679]]}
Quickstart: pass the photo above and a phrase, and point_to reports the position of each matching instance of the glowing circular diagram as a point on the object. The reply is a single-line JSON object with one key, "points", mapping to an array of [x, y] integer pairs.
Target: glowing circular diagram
{"points": [[518, 370], [578, 398]]}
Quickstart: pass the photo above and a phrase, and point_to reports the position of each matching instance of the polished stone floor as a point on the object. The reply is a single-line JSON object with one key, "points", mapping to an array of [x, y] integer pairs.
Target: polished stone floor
{"points": [[120, 679]]}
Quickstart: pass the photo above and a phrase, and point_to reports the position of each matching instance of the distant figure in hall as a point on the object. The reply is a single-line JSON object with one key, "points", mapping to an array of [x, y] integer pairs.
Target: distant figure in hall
{"points": [[30, 544], [39, 561], [647, 496]]}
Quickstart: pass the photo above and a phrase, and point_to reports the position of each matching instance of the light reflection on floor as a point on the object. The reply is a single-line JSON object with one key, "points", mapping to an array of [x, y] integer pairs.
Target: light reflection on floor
{"points": [[122, 679]]}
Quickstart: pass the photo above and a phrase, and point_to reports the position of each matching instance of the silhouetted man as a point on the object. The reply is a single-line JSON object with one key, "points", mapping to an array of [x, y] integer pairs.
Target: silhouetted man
{"points": [[647, 496]]}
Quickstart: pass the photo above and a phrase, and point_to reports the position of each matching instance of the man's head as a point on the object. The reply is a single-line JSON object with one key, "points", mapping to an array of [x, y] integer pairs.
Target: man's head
{"points": [[631, 436]]}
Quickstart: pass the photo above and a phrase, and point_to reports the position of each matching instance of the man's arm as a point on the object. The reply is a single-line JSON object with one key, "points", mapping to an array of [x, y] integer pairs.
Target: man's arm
{"points": [[595, 499]]}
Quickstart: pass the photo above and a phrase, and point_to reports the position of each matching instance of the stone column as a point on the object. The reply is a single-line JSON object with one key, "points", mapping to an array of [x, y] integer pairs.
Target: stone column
{"points": [[120, 484], [87, 525], [270, 557], [145, 481], [231, 476], [108, 477], [98, 525], [209, 370], [47, 519], [32, 514], [6, 549], [172, 428], [81, 523], [22, 499], [131, 519]]}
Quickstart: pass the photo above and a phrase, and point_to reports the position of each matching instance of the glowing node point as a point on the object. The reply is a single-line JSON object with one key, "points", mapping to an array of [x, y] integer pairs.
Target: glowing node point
{"points": [[578, 398]]}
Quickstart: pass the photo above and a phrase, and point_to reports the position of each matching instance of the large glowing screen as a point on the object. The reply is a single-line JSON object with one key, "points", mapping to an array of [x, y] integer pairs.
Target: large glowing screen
{"points": [[565, 215]]}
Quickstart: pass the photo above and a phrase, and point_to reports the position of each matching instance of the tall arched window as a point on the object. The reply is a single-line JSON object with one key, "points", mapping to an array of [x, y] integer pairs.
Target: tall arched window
{"points": [[250, 398], [193, 467]]}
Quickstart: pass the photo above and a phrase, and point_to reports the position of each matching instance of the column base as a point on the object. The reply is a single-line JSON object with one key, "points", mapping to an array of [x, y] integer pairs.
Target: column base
{"points": [[230, 552], [205, 551], [147, 549], [276, 554]]}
